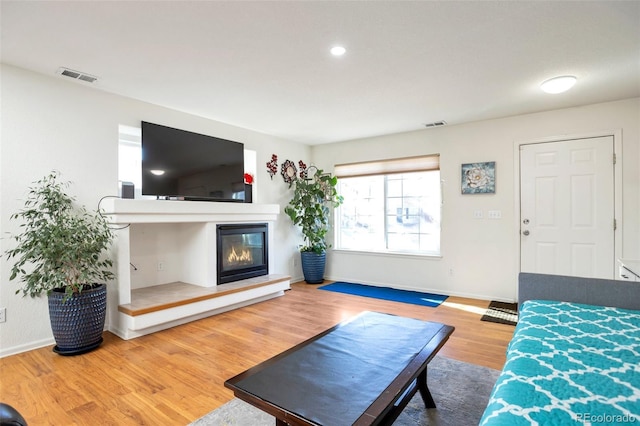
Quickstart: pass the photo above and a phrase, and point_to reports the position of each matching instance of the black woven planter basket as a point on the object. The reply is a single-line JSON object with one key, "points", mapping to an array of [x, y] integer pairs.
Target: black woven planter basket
{"points": [[77, 324], [313, 266]]}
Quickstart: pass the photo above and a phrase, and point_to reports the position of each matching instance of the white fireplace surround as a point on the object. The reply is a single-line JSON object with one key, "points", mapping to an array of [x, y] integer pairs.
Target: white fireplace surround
{"points": [[167, 241]]}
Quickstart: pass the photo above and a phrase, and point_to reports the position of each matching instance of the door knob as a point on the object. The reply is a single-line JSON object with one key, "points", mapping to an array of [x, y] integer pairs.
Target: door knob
{"points": [[525, 232]]}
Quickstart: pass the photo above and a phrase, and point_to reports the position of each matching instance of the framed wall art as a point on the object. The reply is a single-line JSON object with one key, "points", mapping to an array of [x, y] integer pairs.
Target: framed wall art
{"points": [[479, 178]]}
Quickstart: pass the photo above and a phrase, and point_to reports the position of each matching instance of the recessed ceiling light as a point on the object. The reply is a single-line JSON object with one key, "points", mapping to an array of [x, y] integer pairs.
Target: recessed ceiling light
{"points": [[558, 84], [157, 172], [338, 50]]}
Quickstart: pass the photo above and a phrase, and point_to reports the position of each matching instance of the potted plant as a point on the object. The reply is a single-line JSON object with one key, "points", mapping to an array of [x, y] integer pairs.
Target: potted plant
{"points": [[310, 209], [59, 251]]}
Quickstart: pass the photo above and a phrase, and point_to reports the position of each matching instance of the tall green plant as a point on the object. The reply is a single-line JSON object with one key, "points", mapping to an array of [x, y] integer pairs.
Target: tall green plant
{"points": [[60, 245], [310, 208]]}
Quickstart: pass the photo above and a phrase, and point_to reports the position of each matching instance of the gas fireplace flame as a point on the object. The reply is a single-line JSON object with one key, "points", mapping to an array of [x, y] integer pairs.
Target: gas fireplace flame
{"points": [[243, 257]]}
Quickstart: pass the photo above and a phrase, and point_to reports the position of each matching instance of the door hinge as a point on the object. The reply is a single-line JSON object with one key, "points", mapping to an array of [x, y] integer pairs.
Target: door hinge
{"points": [[615, 224], [615, 159]]}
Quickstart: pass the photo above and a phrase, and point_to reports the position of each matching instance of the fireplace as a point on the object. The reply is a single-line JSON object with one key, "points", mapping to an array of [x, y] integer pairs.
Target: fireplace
{"points": [[242, 251]]}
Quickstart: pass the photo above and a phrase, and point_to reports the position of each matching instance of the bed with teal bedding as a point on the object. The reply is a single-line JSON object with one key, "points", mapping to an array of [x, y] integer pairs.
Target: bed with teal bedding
{"points": [[569, 364]]}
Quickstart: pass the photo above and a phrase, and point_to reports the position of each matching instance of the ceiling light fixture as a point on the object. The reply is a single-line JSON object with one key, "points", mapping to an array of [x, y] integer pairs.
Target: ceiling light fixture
{"points": [[338, 50], [558, 84], [157, 172]]}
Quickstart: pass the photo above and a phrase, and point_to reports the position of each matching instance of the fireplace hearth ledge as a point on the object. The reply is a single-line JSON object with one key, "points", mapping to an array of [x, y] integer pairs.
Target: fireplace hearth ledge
{"points": [[160, 310]]}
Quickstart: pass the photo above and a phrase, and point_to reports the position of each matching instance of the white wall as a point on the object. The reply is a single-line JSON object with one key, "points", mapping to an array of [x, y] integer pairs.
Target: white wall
{"points": [[49, 123], [480, 257]]}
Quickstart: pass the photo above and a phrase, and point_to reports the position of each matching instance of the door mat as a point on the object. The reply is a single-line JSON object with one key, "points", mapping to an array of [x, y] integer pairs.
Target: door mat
{"points": [[386, 293], [501, 312]]}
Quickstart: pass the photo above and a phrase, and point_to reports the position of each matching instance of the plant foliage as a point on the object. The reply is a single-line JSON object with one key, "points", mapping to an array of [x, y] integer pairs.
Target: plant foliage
{"points": [[310, 208], [60, 245]]}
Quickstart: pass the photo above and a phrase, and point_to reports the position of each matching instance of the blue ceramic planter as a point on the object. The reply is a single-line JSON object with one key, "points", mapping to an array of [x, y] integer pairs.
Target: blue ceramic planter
{"points": [[313, 266], [77, 324]]}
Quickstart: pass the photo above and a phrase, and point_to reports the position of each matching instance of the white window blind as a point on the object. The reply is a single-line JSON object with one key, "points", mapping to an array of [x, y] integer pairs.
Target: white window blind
{"points": [[390, 166]]}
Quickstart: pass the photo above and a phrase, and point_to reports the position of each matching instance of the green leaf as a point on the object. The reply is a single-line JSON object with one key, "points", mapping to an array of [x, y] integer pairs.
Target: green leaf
{"points": [[310, 206], [61, 244]]}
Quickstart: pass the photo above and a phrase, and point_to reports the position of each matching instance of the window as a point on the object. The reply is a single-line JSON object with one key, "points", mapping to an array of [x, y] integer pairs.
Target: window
{"points": [[391, 206], [130, 157]]}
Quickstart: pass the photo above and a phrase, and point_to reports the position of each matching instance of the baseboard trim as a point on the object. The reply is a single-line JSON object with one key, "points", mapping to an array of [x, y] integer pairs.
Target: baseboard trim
{"points": [[14, 350]]}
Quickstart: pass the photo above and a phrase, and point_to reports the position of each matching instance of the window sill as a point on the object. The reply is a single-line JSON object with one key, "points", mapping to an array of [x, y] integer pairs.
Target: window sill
{"points": [[389, 254]]}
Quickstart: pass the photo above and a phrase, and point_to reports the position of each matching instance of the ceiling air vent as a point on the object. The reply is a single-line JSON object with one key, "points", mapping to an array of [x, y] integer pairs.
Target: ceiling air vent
{"points": [[436, 124], [77, 75]]}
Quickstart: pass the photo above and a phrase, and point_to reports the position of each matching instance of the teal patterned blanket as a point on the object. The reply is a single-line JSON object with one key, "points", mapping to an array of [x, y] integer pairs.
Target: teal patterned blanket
{"points": [[569, 364]]}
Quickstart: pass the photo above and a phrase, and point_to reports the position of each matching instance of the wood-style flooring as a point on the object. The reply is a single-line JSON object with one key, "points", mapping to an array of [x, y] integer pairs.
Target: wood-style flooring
{"points": [[175, 376]]}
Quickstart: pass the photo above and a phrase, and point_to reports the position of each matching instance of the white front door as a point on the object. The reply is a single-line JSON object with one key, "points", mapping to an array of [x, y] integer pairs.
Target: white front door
{"points": [[567, 207]]}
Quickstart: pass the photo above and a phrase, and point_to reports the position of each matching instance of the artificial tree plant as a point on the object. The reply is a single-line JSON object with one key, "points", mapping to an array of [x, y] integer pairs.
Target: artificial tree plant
{"points": [[59, 252], [310, 208]]}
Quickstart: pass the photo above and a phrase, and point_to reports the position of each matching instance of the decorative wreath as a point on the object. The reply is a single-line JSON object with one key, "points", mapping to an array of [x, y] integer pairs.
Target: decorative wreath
{"points": [[288, 171]]}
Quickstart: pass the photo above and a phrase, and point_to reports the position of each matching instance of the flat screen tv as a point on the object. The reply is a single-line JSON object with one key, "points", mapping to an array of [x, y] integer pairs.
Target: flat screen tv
{"points": [[177, 164]]}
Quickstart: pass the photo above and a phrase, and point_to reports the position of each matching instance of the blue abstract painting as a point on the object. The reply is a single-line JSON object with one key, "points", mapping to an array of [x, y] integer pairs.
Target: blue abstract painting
{"points": [[479, 178]]}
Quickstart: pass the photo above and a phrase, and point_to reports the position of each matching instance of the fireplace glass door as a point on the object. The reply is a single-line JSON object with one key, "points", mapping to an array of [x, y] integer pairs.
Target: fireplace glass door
{"points": [[242, 252]]}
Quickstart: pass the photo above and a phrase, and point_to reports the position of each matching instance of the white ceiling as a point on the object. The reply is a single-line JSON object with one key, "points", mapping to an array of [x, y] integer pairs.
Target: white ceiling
{"points": [[266, 66]]}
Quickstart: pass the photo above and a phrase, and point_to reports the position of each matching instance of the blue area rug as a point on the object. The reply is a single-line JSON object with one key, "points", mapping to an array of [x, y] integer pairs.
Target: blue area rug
{"points": [[386, 293]]}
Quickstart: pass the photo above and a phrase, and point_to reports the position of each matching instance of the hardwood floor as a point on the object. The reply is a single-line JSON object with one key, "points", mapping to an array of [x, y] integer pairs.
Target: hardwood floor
{"points": [[176, 376]]}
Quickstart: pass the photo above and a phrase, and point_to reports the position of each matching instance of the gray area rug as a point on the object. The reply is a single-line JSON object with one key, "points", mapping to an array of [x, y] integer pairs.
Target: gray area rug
{"points": [[460, 390]]}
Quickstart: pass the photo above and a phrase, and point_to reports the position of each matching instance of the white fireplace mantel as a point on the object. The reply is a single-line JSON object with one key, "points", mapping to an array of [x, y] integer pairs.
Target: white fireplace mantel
{"points": [[124, 211]]}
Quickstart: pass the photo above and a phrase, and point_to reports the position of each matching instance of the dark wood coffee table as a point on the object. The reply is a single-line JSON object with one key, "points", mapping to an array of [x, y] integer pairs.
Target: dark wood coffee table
{"points": [[363, 371]]}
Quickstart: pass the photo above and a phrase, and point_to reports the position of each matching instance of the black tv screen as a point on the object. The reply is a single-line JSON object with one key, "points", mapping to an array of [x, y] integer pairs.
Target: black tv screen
{"points": [[182, 164]]}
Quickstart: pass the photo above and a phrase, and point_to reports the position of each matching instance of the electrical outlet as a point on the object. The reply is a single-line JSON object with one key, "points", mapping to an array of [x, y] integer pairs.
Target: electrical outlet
{"points": [[477, 214], [3, 314], [160, 266]]}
